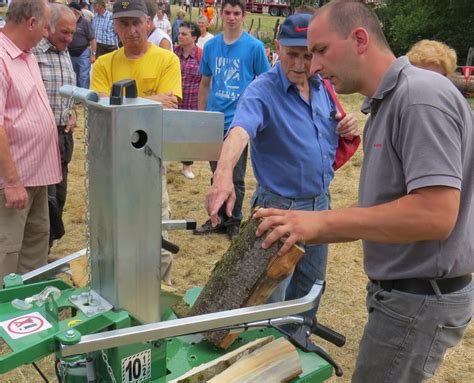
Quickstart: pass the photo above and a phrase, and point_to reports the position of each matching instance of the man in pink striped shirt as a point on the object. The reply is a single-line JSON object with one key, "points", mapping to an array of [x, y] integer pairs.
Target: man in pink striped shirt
{"points": [[29, 154]]}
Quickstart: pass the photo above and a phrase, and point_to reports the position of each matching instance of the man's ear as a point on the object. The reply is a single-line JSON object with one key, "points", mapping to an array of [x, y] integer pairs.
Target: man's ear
{"points": [[30, 23], [361, 38], [277, 47]]}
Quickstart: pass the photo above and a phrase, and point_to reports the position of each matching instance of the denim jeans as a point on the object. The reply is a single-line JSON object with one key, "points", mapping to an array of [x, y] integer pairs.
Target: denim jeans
{"points": [[238, 178], [82, 67], [407, 335], [311, 269]]}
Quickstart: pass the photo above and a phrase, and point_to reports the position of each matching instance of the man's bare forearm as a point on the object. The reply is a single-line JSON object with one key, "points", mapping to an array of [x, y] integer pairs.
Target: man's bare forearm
{"points": [[426, 214], [7, 166]]}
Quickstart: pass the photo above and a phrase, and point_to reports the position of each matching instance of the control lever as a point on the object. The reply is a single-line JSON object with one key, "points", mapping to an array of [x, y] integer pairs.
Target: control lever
{"points": [[170, 246], [301, 339], [328, 334]]}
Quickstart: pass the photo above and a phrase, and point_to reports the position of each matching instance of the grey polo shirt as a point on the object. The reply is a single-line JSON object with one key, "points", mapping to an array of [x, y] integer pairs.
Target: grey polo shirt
{"points": [[419, 134]]}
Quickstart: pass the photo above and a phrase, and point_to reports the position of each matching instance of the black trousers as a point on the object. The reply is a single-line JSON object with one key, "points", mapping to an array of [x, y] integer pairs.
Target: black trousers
{"points": [[57, 193], [102, 49]]}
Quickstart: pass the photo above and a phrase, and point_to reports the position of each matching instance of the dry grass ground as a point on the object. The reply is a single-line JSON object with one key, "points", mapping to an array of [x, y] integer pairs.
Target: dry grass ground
{"points": [[343, 305]]}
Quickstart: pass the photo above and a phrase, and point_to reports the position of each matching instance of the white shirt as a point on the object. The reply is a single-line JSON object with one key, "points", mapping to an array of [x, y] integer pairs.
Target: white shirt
{"points": [[164, 24], [159, 35], [203, 40]]}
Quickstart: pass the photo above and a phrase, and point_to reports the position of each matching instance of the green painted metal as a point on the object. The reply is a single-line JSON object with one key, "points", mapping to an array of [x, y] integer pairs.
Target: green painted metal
{"points": [[168, 358], [186, 352], [32, 347], [12, 280]]}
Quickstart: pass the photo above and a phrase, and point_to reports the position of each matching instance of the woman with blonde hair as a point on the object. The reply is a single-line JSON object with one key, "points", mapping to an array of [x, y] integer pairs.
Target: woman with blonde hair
{"points": [[433, 55]]}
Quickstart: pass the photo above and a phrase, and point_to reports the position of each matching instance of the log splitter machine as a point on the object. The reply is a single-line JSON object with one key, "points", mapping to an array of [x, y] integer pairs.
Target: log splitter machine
{"points": [[121, 328]]}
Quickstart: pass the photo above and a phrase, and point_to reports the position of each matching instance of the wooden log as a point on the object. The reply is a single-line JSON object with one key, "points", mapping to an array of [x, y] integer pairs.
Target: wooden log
{"points": [[275, 362], [206, 371], [245, 276]]}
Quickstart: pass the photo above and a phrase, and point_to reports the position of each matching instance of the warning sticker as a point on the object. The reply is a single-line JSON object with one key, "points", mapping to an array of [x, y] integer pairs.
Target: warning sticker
{"points": [[25, 325]]}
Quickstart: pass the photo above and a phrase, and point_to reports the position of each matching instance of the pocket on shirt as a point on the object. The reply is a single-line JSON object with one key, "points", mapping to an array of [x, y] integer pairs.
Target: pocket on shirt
{"points": [[148, 87]]}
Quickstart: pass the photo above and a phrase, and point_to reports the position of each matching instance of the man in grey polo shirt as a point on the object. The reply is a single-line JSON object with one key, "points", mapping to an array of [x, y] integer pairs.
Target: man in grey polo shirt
{"points": [[416, 209]]}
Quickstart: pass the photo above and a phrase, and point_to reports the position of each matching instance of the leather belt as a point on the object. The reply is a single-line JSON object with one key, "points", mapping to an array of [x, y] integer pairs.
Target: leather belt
{"points": [[424, 287]]}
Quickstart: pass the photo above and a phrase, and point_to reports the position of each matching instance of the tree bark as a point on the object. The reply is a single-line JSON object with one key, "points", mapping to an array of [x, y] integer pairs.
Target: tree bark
{"points": [[245, 276]]}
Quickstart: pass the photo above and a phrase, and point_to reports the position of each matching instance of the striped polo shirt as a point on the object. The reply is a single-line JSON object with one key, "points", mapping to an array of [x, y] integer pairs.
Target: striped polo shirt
{"points": [[103, 26], [27, 118]]}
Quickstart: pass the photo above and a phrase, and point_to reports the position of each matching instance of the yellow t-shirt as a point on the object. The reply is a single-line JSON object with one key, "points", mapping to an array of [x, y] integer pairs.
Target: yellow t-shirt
{"points": [[157, 71]]}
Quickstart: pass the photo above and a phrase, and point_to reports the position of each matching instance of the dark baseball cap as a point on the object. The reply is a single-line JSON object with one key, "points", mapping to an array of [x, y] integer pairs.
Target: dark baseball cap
{"points": [[129, 8], [75, 6], [294, 30]]}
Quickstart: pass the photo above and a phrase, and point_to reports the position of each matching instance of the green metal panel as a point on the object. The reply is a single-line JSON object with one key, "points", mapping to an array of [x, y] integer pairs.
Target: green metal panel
{"points": [[32, 347]]}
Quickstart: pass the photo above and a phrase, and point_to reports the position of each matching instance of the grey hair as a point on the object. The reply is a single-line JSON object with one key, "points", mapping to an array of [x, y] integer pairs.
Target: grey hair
{"points": [[203, 18], [22, 10], [57, 11]]}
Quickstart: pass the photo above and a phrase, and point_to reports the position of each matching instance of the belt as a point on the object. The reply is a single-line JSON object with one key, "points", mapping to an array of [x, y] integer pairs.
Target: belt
{"points": [[424, 287], [107, 45]]}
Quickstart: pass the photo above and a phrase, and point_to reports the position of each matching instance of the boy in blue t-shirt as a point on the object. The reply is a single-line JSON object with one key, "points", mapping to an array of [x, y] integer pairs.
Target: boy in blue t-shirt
{"points": [[231, 60]]}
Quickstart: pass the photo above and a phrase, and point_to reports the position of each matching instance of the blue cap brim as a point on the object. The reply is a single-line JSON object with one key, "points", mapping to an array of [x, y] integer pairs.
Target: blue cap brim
{"points": [[294, 42]]}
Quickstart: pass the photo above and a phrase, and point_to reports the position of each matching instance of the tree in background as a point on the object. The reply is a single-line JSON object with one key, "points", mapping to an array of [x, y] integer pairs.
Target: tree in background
{"points": [[450, 21]]}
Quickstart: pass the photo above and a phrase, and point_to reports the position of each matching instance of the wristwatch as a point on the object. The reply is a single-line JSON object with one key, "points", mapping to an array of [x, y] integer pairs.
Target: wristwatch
{"points": [[93, 53]]}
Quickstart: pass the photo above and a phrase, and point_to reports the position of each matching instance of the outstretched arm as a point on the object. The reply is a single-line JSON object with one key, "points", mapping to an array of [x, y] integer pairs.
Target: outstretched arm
{"points": [[222, 188], [428, 213]]}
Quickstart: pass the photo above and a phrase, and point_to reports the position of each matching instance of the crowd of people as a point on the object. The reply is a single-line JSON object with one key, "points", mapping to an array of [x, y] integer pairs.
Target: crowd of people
{"points": [[415, 213]]}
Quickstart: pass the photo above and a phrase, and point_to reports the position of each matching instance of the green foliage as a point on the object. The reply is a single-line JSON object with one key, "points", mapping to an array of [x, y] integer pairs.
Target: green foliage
{"points": [[450, 21]]}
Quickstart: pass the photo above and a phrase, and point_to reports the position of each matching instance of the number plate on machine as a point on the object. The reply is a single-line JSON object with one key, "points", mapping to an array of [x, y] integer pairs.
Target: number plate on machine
{"points": [[136, 368]]}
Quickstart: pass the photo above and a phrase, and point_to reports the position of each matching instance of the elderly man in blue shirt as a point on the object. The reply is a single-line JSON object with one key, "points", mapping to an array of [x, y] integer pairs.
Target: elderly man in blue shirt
{"points": [[286, 114]]}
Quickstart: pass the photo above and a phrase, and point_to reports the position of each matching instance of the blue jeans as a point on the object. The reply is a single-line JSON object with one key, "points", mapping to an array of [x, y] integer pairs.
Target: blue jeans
{"points": [[82, 67], [407, 335], [311, 269], [238, 177]]}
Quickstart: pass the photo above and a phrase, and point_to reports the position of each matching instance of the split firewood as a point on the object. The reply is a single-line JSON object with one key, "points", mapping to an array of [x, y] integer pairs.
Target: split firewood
{"points": [[276, 362], [245, 276], [206, 371]]}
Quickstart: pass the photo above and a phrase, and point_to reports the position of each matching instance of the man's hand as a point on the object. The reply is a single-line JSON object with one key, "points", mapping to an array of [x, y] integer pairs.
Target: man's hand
{"points": [[299, 226], [348, 126], [92, 58], [72, 122], [219, 193], [169, 100], [16, 197]]}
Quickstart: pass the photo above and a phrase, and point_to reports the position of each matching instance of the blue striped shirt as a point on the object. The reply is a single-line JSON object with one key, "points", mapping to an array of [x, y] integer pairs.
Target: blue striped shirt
{"points": [[103, 26]]}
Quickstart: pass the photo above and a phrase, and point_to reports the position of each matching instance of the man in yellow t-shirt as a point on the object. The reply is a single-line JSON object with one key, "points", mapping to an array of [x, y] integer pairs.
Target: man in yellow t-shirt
{"points": [[156, 71]]}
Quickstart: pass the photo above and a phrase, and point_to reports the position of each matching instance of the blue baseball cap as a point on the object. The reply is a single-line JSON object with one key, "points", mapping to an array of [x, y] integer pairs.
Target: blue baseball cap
{"points": [[294, 30]]}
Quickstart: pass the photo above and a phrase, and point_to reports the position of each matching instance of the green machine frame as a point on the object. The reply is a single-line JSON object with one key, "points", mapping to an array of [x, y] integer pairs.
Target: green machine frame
{"points": [[121, 328]]}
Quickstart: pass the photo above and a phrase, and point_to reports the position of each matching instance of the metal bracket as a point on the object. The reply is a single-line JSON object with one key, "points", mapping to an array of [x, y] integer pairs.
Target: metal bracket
{"points": [[90, 303]]}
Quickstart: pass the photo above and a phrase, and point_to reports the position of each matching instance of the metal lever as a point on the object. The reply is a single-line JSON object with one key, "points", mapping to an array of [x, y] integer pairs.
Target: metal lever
{"points": [[170, 246], [116, 94], [191, 325], [328, 334], [301, 339]]}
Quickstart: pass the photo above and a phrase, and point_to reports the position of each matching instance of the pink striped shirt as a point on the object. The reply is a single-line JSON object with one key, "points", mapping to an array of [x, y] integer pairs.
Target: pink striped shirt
{"points": [[27, 118]]}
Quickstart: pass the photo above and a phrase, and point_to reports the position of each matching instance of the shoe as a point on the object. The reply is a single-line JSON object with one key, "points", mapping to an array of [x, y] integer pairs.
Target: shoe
{"points": [[188, 173], [233, 231], [207, 228]]}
